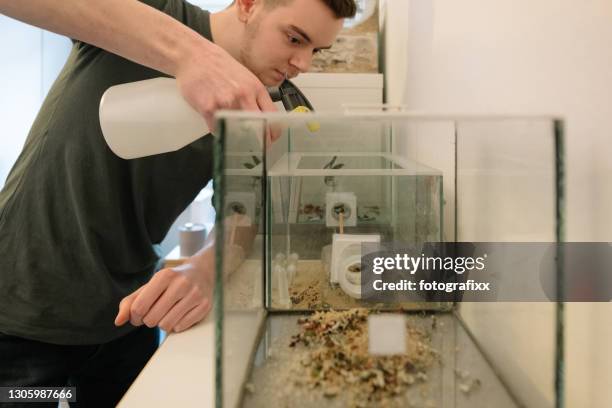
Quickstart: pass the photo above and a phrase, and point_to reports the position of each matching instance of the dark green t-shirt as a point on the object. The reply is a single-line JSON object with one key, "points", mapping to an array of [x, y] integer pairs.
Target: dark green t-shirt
{"points": [[79, 225]]}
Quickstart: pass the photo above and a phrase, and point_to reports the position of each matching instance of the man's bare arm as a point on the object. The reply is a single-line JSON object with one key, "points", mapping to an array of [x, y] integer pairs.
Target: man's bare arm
{"points": [[209, 78], [128, 28]]}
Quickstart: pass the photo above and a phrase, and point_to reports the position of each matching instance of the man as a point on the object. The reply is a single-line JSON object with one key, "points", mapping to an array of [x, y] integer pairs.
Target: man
{"points": [[78, 225]]}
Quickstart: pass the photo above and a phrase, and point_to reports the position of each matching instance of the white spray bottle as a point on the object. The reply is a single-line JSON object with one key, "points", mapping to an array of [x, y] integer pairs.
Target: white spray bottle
{"points": [[150, 117]]}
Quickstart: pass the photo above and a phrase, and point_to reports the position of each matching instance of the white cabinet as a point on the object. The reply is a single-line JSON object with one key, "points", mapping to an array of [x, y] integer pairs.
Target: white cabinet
{"points": [[330, 91]]}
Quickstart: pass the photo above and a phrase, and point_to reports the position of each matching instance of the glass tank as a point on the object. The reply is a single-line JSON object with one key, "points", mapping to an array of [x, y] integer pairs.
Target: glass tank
{"points": [[307, 204]]}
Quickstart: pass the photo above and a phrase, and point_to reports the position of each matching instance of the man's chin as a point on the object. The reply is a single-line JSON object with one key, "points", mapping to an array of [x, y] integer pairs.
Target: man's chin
{"points": [[269, 82]]}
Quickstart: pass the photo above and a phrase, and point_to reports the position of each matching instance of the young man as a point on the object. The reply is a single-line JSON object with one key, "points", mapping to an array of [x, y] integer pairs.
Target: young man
{"points": [[79, 226]]}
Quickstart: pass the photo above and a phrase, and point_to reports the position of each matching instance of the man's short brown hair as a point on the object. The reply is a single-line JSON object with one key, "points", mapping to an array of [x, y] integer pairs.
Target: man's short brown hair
{"points": [[341, 8]]}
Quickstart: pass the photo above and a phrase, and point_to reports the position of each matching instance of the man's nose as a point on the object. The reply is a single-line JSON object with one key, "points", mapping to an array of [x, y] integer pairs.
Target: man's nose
{"points": [[301, 60]]}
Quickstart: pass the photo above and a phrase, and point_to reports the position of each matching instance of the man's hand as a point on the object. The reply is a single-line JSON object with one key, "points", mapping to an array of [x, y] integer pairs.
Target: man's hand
{"points": [[209, 78], [174, 299], [223, 84]]}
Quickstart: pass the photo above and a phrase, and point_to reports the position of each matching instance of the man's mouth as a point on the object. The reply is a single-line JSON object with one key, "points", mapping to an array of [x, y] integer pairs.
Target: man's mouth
{"points": [[278, 75]]}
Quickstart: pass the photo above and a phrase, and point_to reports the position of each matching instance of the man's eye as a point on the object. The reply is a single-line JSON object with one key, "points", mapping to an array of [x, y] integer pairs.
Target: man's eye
{"points": [[294, 40]]}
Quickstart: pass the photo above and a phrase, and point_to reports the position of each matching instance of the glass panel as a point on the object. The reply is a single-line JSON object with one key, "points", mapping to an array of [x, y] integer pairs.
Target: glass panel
{"points": [[506, 192], [348, 183], [239, 290], [334, 190], [347, 162]]}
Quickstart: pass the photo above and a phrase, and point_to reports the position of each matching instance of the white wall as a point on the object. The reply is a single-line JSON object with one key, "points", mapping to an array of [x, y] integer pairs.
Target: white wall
{"points": [[504, 56], [525, 57]]}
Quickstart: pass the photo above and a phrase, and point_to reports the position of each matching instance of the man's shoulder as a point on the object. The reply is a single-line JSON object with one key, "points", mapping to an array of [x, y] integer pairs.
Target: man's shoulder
{"points": [[192, 16]]}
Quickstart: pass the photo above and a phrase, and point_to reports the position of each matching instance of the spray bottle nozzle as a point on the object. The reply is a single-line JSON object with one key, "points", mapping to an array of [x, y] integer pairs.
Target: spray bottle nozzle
{"points": [[293, 100], [290, 95]]}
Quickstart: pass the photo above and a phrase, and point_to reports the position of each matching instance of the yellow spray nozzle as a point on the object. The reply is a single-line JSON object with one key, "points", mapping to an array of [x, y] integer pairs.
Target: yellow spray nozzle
{"points": [[313, 126]]}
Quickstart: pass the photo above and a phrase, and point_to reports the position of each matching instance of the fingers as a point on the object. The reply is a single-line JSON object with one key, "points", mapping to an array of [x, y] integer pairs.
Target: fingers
{"points": [[265, 102], [123, 316], [210, 121], [276, 130], [225, 84], [170, 297], [250, 104], [193, 316], [180, 309], [238, 98], [149, 294], [177, 299]]}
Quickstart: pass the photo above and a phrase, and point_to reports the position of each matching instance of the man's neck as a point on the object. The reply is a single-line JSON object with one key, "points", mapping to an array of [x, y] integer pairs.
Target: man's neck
{"points": [[227, 30]]}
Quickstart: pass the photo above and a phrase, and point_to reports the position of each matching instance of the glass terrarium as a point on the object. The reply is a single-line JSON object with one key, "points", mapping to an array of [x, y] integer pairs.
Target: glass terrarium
{"points": [[306, 203]]}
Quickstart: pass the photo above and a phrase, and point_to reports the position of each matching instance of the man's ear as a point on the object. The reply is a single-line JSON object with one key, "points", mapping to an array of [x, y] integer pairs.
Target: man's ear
{"points": [[245, 9]]}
